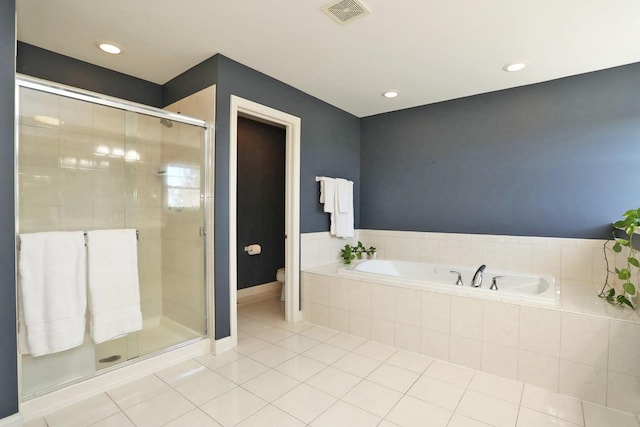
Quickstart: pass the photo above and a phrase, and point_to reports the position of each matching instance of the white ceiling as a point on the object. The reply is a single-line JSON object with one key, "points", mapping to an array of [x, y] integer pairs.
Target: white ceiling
{"points": [[430, 50]]}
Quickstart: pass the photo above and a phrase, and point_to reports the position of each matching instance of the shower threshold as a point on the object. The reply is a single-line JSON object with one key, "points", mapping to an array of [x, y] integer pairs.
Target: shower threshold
{"points": [[42, 376]]}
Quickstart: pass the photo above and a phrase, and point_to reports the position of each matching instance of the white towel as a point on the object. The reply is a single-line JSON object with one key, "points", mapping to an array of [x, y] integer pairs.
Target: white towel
{"points": [[344, 195], [327, 193], [114, 290], [344, 208], [53, 292]]}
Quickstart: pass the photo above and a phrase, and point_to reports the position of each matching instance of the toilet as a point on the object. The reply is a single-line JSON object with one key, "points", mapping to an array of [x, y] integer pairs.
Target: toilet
{"points": [[280, 277]]}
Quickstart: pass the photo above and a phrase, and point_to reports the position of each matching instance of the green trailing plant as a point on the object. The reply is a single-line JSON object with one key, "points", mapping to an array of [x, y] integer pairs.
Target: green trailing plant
{"points": [[629, 224], [359, 250], [347, 254]]}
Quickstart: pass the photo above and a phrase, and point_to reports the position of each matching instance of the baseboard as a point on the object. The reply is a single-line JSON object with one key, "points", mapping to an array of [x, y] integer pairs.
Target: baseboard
{"points": [[51, 402], [14, 420], [259, 292]]}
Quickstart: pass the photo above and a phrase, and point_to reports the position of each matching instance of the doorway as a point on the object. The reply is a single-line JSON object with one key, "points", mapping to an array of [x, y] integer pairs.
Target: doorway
{"points": [[241, 107], [260, 199]]}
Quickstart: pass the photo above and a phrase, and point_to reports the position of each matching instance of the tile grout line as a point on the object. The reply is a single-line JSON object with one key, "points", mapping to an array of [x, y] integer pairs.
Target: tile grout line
{"points": [[406, 394]]}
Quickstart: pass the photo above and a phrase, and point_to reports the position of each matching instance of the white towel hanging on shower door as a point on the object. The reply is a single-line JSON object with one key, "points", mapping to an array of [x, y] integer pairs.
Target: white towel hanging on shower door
{"points": [[114, 289], [53, 292]]}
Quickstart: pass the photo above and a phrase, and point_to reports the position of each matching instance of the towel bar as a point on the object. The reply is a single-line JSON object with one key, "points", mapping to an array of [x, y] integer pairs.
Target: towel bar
{"points": [[85, 235], [137, 234]]}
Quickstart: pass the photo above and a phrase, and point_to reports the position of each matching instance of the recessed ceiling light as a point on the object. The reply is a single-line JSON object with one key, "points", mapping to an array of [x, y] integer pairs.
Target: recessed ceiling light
{"points": [[515, 66], [390, 94], [110, 48]]}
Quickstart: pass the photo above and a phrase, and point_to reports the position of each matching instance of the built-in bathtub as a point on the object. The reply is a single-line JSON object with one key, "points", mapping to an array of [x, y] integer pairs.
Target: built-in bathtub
{"points": [[511, 286], [579, 345]]}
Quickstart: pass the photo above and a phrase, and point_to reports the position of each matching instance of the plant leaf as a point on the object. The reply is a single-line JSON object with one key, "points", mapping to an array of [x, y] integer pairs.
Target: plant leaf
{"points": [[609, 295], [624, 300], [620, 224], [633, 261], [617, 247], [624, 274], [629, 288], [623, 242]]}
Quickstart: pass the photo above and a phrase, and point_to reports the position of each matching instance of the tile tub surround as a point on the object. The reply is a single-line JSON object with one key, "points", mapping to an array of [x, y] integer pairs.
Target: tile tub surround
{"points": [[578, 264], [322, 248], [594, 357]]}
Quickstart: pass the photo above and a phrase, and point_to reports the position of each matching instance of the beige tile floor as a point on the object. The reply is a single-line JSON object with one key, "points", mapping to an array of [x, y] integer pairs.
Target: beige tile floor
{"points": [[296, 375]]}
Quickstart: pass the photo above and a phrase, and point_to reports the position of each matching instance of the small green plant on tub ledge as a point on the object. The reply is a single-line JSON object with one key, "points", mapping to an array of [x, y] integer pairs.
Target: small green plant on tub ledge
{"points": [[349, 253], [359, 250], [629, 224], [371, 252]]}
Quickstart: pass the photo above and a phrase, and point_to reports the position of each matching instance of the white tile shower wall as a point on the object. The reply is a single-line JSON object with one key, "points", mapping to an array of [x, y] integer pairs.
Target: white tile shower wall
{"points": [[78, 175], [591, 357]]}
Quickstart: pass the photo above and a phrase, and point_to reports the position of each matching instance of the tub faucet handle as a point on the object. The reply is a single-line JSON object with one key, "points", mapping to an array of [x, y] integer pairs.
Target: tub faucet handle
{"points": [[494, 285], [459, 281]]}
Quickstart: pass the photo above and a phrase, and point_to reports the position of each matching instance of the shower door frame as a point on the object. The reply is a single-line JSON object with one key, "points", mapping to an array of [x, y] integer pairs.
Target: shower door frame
{"points": [[24, 81]]}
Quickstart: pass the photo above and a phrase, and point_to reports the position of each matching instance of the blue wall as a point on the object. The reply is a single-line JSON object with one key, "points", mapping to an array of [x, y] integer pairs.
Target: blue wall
{"points": [[8, 354], [193, 80], [261, 200], [44, 64], [553, 159], [330, 146]]}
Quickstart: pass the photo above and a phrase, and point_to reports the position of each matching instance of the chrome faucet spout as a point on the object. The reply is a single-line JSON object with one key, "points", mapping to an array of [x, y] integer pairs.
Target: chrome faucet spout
{"points": [[477, 278]]}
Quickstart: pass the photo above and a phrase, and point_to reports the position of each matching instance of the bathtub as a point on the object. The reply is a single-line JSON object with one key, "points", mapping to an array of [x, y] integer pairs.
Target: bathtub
{"points": [[513, 287]]}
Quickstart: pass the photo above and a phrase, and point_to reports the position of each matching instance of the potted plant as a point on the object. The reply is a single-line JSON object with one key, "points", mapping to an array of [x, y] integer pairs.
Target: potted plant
{"points": [[347, 254], [359, 250], [629, 224], [371, 252]]}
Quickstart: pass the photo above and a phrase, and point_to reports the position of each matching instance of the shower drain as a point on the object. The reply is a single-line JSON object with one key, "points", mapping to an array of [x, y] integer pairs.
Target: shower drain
{"points": [[110, 359]]}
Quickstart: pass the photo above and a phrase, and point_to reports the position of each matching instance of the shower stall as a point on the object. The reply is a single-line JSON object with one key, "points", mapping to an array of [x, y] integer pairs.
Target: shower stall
{"points": [[87, 162]]}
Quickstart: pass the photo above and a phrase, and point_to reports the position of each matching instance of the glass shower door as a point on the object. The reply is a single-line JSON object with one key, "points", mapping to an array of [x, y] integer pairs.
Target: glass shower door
{"points": [[86, 166]]}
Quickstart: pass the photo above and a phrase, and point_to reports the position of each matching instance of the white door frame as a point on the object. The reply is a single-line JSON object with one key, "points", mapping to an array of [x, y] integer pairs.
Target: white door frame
{"points": [[292, 205]]}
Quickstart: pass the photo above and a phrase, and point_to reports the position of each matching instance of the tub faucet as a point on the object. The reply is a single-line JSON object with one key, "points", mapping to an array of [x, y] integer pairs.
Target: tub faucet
{"points": [[494, 284], [459, 281], [477, 278]]}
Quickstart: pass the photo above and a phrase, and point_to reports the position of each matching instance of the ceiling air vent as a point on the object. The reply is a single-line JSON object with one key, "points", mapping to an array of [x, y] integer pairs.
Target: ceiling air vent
{"points": [[345, 11]]}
